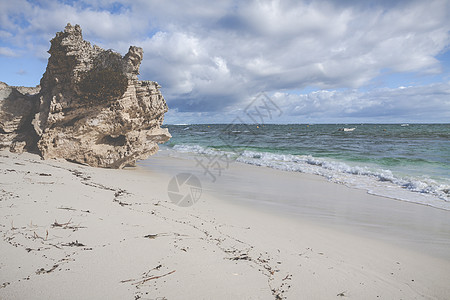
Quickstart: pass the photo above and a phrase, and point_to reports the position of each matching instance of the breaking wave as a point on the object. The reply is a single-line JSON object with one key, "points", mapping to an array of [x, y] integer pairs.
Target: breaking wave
{"points": [[375, 180]]}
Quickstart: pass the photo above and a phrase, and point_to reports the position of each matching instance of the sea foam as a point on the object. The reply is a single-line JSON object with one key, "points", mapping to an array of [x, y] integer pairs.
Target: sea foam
{"points": [[375, 180]]}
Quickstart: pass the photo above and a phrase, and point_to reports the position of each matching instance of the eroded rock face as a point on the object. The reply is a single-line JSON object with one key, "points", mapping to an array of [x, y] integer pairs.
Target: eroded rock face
{"points": [[17, 108], [92, 108]]}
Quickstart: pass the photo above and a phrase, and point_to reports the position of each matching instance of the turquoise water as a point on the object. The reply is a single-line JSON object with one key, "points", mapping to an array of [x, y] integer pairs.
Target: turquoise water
{"points": [[407, 162]]}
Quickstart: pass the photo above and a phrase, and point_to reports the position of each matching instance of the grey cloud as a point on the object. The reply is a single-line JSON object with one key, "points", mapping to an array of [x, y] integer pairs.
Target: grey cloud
{"points": [[213, 56], [419, 103], [272, 46]]}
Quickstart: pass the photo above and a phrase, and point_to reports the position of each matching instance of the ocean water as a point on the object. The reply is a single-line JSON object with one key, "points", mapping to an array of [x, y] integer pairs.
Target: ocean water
{"points": [[409, 162]]}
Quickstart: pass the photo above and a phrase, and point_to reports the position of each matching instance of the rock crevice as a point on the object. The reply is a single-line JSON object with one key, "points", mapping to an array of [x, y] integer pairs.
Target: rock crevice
{"points": [[90, 107]]}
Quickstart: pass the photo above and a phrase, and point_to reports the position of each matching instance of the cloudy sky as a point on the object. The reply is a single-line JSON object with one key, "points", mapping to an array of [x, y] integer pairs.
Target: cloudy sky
{"points": [[320, 61]]}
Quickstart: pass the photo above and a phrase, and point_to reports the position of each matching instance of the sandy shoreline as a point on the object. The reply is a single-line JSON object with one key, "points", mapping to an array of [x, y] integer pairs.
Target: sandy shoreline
{"points": [[306, 197], [75, 232]]}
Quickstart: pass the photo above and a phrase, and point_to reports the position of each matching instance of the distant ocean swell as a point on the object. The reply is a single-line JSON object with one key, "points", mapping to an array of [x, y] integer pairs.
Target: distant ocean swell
{"points": [[374, 179]]}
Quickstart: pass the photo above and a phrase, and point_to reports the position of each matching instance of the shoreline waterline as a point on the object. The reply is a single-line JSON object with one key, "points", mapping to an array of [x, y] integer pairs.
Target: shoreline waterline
{"points": [[405, 163], [313, 198]]}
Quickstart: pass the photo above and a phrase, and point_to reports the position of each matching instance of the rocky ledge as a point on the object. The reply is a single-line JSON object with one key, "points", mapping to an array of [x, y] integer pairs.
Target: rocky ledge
{"points": [[90, 107]]}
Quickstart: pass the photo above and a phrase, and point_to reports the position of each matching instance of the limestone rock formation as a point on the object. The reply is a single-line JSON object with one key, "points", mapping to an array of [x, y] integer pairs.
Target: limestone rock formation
{"points": [[17, 107], [92, 108]]}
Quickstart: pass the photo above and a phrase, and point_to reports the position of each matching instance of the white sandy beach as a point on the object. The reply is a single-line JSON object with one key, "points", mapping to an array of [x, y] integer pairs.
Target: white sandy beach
{"points": [[76, 232]]}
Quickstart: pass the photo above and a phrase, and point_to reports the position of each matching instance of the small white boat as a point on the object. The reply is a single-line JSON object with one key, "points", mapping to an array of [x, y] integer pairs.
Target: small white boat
{"points": [[347, 129], [404, 125]]}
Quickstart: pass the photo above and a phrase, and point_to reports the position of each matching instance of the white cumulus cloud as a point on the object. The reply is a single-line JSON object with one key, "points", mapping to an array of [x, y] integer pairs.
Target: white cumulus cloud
{"points": [[215, 56]]}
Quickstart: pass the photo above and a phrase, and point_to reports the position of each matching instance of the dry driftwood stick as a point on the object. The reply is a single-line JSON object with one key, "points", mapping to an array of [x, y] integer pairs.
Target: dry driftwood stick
{"points": [[56, 224], [36, 236], [154, 277], [56, 246], [66, 208], [12, 225]]}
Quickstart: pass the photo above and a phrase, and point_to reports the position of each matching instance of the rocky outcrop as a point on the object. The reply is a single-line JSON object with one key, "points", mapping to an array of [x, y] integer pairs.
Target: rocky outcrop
{"points": [[91, 108], [17, 107]]}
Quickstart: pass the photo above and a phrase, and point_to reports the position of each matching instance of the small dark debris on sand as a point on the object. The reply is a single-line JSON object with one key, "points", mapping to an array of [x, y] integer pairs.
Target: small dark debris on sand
{"points": [[342, 294], [241, 257], [43, 271], [151, 236], [74, 244]]}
